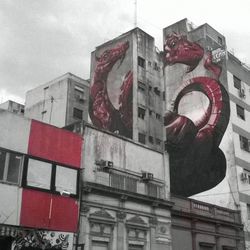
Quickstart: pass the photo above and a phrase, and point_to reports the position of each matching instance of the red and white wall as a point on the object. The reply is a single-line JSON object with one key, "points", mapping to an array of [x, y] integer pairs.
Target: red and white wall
{"points": [[41, 192]]}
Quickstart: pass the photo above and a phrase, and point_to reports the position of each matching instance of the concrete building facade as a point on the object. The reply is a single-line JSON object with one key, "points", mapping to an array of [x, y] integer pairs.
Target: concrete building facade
{"points": [[59, 102], [199, 225], [129, 88], [125, 195], [12, 106]]}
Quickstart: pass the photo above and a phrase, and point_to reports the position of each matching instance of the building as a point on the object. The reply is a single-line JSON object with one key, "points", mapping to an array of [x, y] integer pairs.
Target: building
{"points": [[39, 178], [207, 103], [59, 102], [125, 194], [199, 225], [12, 106], [126, 92]]}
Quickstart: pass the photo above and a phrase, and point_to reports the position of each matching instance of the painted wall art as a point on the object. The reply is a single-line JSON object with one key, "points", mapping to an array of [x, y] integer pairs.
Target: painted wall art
{"points": [[197, 115], [111, 91]]}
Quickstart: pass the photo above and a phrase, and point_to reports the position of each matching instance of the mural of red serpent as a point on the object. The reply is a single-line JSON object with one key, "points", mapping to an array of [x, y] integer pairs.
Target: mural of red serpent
{"points": [[196, 161], [102, 112]]}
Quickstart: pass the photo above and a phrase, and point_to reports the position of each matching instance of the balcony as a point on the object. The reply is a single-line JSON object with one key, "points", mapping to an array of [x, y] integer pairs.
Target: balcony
{"points": [[201, 209]]}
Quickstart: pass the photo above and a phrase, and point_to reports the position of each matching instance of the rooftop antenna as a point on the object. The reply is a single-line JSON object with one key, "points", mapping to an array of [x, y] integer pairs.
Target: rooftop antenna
{"points": [[135, 14]]}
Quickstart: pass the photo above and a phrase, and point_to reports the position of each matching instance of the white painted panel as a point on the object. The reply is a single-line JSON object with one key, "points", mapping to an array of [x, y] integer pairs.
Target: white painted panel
{"points": [[10, 204], [14, 131]]}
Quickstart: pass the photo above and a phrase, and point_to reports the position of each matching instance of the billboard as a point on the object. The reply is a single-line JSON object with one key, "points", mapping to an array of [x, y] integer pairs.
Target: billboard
{"points": [[111, 90], [198, 108]]}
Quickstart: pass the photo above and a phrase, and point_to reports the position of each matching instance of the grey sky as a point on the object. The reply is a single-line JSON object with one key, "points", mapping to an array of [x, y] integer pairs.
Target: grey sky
{"points": [[43, 39]]}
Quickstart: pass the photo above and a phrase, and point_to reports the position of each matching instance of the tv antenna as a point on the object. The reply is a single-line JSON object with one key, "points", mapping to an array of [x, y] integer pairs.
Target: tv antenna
{"points": [[135, 13]]}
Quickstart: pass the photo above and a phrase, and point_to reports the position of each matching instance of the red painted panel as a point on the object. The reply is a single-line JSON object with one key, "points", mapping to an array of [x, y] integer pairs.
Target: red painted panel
{"points": [[64, 214], [35, 209], [55, 144]]}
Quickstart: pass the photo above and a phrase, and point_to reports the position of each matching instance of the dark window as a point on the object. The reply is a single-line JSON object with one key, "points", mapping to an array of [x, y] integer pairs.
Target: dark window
{"points": [[151, 139], [142, 138], [156, 67], [157, 91], [150, 112], [77, 113], [149, 88], [141, 62], [237, 82], [164, 96], [240, 112], [158, 141], [220, 41], [157, 116], [248, 211], [141, 113], [244, 143], [10, 166], [141, 86]]}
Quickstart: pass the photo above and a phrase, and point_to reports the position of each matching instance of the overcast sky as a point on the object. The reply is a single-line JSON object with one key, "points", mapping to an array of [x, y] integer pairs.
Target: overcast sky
{"points": [[43, 39]]}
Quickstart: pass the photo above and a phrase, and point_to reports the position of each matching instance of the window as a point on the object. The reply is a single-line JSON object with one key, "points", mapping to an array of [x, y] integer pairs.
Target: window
{"points": [[164, 96], [99, 245], [65, 180], [240, 112], [149, 64], [135, 247], [156, 67], [244, 143], [220, 41], [10, 166], [141, 62], [79, 94], [141, 113], [149, 88], [141, 86], [153, 189], [157, 91], [39, 174], [151, 139], [237, 82], [158, 141], [150, 112], [123, 182], [248, 211], [51, 177], [157, 116], [142, 138], [77, 113]]}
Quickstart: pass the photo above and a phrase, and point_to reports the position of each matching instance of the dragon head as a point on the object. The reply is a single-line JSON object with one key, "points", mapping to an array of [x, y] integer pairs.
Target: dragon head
{"points": [[177, 49], [109, 57]]}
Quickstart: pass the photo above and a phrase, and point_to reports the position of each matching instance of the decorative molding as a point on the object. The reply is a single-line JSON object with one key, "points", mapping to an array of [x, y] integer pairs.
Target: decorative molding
{"points": [[121, 215]]}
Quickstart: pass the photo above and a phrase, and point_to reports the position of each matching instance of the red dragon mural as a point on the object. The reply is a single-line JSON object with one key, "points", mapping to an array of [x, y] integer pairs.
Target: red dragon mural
{"points": [[101, 110], [196, 161]]}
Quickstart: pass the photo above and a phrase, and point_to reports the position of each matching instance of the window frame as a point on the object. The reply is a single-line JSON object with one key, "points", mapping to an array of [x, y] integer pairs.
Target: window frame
{"points": [[6, 167], [77, 110], [141, 62], [52, 188], [141, 113], [243, 141], [240, 111], [237, 82]]}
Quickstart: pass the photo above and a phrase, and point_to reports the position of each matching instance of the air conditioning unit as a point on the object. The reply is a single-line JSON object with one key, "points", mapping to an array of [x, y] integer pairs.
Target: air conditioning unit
{"points": [[146, 176], [104, 165], [242, 93], [243, 176]]}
